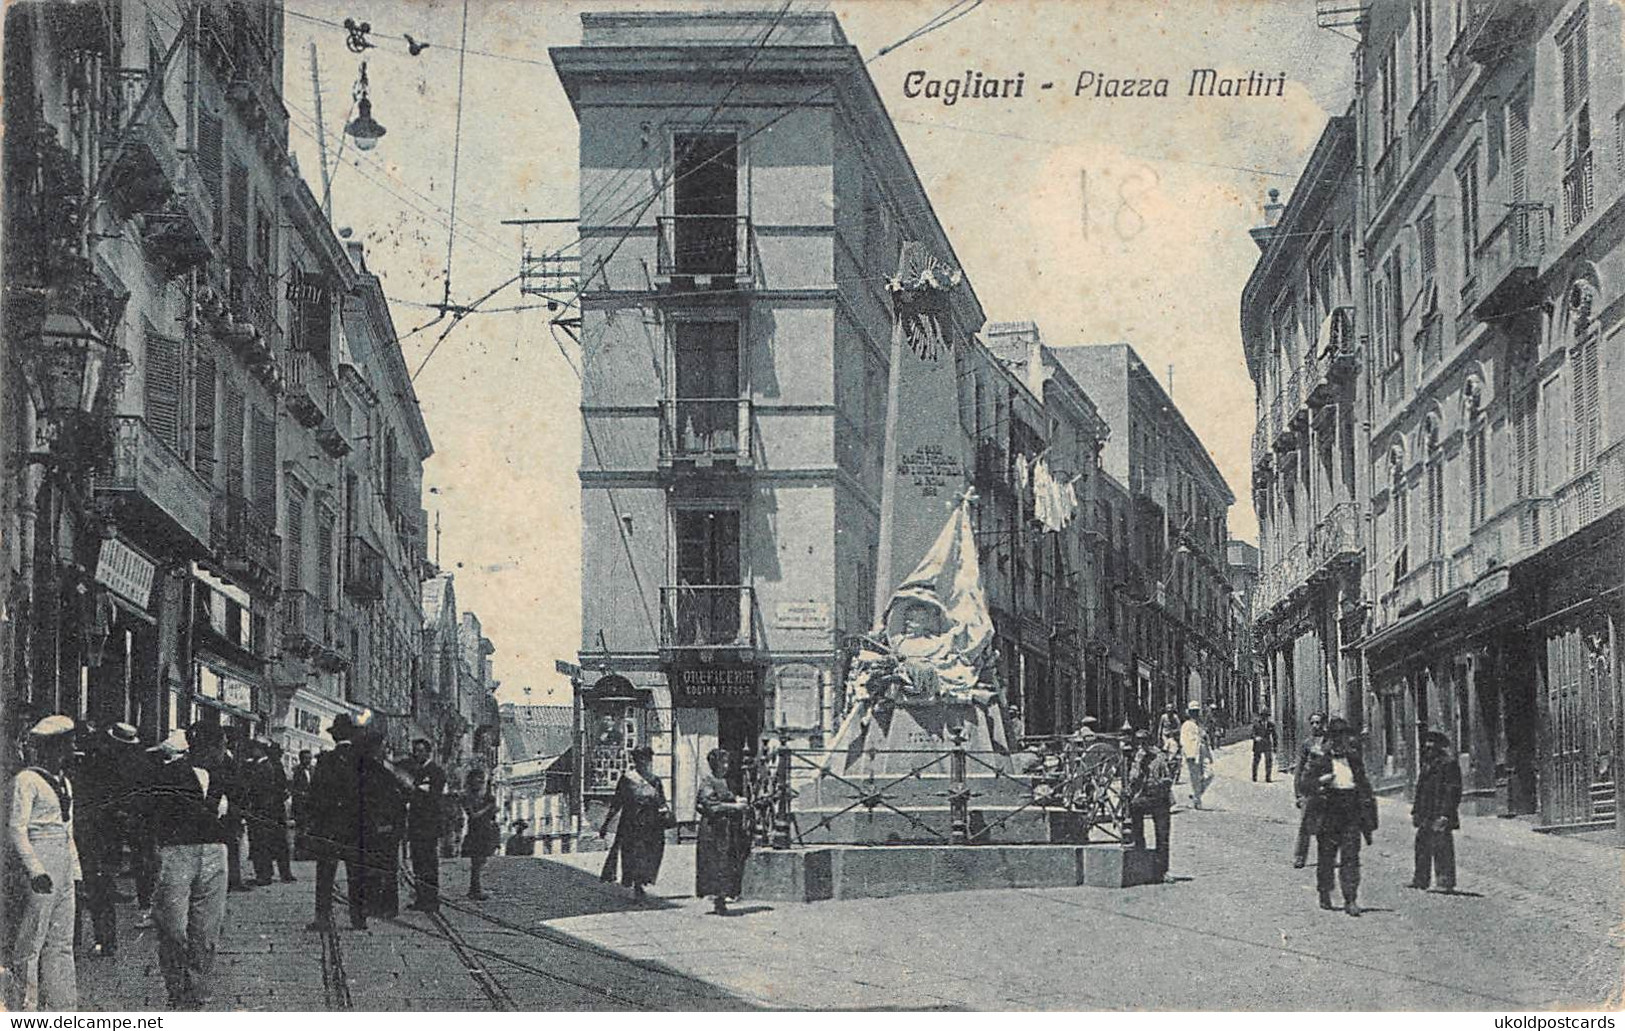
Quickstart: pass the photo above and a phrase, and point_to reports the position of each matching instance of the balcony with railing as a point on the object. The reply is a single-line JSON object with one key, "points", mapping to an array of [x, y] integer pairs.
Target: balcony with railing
{"points": [[1495, 30], [309, 385], [149, 477], [1385, 176], [247, 544], [304, 623], [1392, 382], [1331, 368], [1507, 260], [708, 249], [252, 302], [1579, 196], [149, 177], [1336, 538], [708, 618], [705, 432], [1587, 497], [236, 41], [364, 571], [1285, 578], [1288, 414], [1423, 119], [1263, 456]]}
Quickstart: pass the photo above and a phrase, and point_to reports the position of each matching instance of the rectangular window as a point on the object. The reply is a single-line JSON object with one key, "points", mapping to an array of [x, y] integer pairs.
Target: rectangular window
{"points": [[1587, 413], [1435, 496], [1428, 236], [1467, 191], [1477, 474], [1422, 17], [265, 466], [1572, 44], [1395, 275], [1525, 449], [237, 215], [210, 160], [705, 203], [234, 441], [1389, 97], [161, 389], [293, 577], [203, 414]]}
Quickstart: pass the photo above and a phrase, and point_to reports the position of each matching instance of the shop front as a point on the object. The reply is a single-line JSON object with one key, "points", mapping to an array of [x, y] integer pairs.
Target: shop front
{"points": [[713, 706], [123, 634]]}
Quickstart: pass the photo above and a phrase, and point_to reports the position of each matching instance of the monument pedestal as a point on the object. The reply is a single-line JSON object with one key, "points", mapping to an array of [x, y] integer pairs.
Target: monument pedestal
{"points": [[879, 871]]}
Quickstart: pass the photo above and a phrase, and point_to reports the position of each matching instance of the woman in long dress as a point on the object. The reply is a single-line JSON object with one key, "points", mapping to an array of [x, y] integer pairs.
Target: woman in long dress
{"points": [[482, 838], [640, 837], [724, 845]]}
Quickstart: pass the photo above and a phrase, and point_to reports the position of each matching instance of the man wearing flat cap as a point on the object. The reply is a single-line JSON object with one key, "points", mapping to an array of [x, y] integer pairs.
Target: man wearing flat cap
{"points": [[1436, 813], [1150, 793]]}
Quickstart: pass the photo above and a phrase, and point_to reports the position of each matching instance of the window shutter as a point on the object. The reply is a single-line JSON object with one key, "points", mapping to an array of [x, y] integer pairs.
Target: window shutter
{"points": [[237, 227], [315, 316], [324, 561], [210, 145], [204, 415], [162, 388], [1523, 444], [264, 468], [1427, 232], [234, 441], [294, 576], [1587, 414]]}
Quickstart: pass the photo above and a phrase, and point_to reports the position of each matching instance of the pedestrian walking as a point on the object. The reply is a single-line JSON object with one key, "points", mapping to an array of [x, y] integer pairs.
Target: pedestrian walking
{"points": [[1168, 726], [1150, 794], [229, 767], [97, 832], [267, 811], [41, 833], [1436, 814], [335, 825], [640, 835], [482, 837], [1347, 814], [424, 826], [1306, 795], [724, 835], [381, 819], [299, 803], [1193, 745], [187, 804], [1264, 742]]}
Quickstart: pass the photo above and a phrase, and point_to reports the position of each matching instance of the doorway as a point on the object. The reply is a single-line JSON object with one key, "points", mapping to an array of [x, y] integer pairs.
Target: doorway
{"points": [[705, 201], [709, 589]]}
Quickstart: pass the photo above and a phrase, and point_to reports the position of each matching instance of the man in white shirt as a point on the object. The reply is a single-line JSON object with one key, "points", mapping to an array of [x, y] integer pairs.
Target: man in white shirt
{"points": [[41, 833], [1193, 745], [1346, 814]]}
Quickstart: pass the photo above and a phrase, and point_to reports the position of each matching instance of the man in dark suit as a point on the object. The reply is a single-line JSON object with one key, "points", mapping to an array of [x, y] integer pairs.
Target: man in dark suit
{"points": [[1436, 813], [424, 826], [1346, 813], [1264, 742], [1308, 799], [334, 834]]}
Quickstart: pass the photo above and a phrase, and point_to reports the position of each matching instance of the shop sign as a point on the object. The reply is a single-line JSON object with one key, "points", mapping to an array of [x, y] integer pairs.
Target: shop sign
{"points": [[714, 687], [801, 615], [237, 693], [124, 572]]}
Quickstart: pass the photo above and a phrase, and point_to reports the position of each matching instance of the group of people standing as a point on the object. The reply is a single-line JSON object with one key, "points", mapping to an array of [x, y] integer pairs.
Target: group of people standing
{"points": [[180, 808], [645, 815]]}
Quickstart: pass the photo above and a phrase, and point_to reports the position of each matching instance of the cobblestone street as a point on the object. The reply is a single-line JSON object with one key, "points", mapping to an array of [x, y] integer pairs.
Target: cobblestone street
{"points": [[1536, 925]]}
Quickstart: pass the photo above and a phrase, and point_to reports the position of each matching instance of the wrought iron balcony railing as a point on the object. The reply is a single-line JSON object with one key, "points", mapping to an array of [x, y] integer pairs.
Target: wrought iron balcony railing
{"points": [[709, 617], [246, 543], [1579, 198], [149, 474], [705, 430], [1385, 177], [304, 623], [1424, 117], [705, 245], [1508, 259]]}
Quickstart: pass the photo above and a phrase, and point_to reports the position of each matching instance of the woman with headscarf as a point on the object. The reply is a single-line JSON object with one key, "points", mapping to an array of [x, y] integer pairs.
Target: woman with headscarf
{"points": [[724, 844], [41, 835], [640, 837], [481, 841]]}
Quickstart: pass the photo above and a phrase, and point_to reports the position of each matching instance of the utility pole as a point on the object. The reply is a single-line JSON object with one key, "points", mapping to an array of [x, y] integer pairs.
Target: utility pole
{"points": [[437, 538], [321, 135]]}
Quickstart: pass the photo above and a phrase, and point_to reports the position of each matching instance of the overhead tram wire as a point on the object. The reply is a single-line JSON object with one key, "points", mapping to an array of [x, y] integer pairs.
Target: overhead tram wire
{"points": [[456, 155]]}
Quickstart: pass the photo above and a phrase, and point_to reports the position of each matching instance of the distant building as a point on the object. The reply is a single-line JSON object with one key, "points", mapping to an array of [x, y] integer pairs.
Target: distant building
{"points": [[1249, 690], [534, 778], [1175, 603]]}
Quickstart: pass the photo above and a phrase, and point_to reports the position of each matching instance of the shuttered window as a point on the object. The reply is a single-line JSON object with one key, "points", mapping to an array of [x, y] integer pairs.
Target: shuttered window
{"points": [[1467, 190], [1572, 42], [313, 323], [264, 467], [237, 219], [210, 162], [234, 441], [162, 388], [324, 560], [1477, 474], [1428, 234], [293, 576], [204, 416], [1587, 414], [1524, 449]]}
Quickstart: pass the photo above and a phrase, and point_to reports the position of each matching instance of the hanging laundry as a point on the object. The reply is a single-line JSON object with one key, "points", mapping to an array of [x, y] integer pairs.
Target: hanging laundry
{"points": [[1021, 474]]}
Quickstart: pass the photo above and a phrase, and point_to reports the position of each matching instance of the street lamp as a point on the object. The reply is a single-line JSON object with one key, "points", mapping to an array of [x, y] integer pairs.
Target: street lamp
{"points": [[364, 129], [63, 368]]}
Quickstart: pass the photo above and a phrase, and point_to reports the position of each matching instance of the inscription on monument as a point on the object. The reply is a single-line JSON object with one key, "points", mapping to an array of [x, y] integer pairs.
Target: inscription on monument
{"points": [[930, 468]]}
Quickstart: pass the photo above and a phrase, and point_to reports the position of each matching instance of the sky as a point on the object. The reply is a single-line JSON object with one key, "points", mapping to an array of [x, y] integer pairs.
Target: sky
{"points": [[1101, 219]]}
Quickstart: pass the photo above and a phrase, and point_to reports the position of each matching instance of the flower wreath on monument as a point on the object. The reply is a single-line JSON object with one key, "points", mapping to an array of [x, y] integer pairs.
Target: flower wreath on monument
{"points": [[920, 299]]}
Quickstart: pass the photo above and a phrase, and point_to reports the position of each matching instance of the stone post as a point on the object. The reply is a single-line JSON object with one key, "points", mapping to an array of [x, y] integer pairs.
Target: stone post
{"points": [[781, 808], [958, 795]]}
